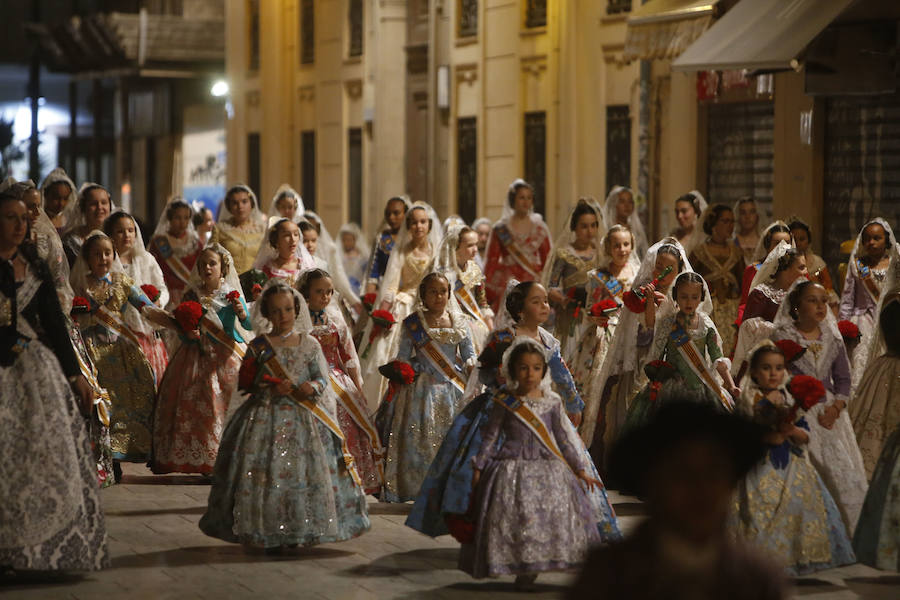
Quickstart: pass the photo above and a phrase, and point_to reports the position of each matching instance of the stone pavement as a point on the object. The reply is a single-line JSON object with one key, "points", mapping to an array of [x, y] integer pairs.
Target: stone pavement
{"points": [[158, 552]]}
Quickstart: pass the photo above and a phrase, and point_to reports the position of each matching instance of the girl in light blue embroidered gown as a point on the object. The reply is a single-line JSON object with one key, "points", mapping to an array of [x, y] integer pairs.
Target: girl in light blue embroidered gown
{"points": [[435, 339], [687, 340], [782, 505], [282, 477], [531, 512], [448, 484]]}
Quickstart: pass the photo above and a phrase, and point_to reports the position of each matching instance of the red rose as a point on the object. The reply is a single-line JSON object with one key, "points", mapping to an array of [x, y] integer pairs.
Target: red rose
{"points": [[151, 291], [233, 295], [80, 305], [398, 371], [188, 315], [368, 300], [633, 302], [849, 331], [256, 288], [791, 349], [382, 320], [604, 308], [807, 391]]}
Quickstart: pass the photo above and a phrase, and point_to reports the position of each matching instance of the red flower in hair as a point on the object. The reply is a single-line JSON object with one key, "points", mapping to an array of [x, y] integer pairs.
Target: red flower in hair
{"points": [[188, 315], [151, 291], [849, 331], [807, 391], [233, 295], [791, 349], [80, 305], [633, 302]]}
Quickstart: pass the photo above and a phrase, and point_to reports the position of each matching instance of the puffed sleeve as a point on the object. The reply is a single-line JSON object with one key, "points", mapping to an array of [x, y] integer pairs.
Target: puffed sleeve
{"points": [[565, 384], [467, 350], [840, 374]]}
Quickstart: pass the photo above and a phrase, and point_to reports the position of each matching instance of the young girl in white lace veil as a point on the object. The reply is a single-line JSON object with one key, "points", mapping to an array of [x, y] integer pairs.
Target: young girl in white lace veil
{"points": [[336, 339], [575, 252], [143, 269], [456, 260], [175, 245], [85, 216], [875, 259], [200, 384], [620, 208], [57, 192], [354, 254], [327, 250], [285, 204], [241, 226], [782, 505], [112, 325], [532, 513], [614, 275], [436, 341], [282, 254], [416, 247], [688, 209], [285, 433], [519, 244], [621, 375], [805, 319]]}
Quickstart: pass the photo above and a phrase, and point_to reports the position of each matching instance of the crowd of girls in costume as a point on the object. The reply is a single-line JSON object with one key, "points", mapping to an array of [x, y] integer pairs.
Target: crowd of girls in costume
{"points": [[482, 372]]}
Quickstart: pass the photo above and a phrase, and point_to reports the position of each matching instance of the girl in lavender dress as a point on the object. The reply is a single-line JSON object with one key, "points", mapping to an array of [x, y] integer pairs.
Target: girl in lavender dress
{"points": [[532, 511]]}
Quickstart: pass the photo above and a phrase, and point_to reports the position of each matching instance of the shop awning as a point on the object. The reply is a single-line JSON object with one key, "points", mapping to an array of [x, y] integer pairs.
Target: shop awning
{"points": [[664, 28], [765, 35]]}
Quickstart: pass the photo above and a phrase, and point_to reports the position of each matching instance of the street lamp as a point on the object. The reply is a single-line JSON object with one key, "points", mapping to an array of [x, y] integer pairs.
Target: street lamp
{"points": [[219, 88]]}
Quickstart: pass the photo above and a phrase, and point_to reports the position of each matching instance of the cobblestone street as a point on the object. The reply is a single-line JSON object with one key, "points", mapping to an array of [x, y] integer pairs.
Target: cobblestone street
{"points": [[158, 552]]}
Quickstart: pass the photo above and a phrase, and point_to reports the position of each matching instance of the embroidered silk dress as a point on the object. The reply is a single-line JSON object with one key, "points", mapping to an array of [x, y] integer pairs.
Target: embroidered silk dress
{"points": [[143, 270], [243, 242], [176, 258], [506, 253], [280, 477], [532, 513], [783, 506], [569, 274], [352, 412], [197, 390], [122, 367], [413, 424], [50, 516], [859, 305], [723, 275], [875, 410], [834, 452]]}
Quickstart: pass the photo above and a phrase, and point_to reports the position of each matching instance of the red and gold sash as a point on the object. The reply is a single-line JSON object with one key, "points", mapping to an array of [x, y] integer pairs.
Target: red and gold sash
{"points": [[175, 265], [114, 322], [361, 421], [297, 396], [432, 353], [468, 302], [533, 422], [692, 357], [209, 326], [509, 242]]}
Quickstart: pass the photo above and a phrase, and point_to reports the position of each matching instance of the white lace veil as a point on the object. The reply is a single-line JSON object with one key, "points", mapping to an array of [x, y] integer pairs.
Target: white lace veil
{"points": [[760, 253], [302, 321], [81, 276], [605, 259], [566, 236], [522, 340], [623, 353], [445, 261], [256, 215], [267, 252], [286, 191], [139, 249], [73, 215], [162, 225], [327, 250], [356, 232], [766, 272], [783, 318], [390, 283], [58, 175], [503, 319], [230, 280], [634, 220], [697, 235], [893, 252]]}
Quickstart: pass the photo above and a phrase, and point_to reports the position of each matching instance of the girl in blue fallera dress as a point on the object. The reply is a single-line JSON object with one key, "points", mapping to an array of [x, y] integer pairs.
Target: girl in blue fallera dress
{"points": [[782, 505], [446, 491], [283, 476], [436, 341]]}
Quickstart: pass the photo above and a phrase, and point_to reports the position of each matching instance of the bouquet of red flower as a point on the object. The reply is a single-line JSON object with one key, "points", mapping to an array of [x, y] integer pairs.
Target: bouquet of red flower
{"points": [[807, 391], [188, 315], [398, 373], [247, 376], [233, 295], [604, 308], [850, 332], [80, 305], [382, 321], [368, 300], [658, 371], [151, 291], [791, 349], [633, 302]]}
